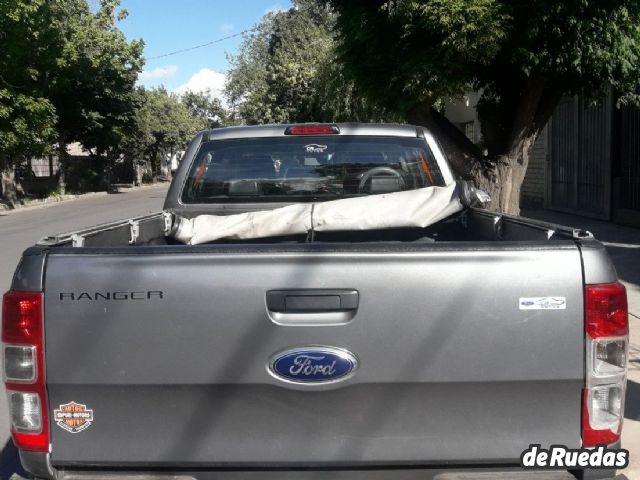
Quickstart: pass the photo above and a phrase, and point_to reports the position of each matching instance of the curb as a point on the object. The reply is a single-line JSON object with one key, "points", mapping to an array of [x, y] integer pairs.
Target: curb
{"points": [[49, 201]]}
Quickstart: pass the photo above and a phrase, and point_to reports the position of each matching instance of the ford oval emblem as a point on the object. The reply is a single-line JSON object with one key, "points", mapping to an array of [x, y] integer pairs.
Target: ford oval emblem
{"points": [[313, 365]]}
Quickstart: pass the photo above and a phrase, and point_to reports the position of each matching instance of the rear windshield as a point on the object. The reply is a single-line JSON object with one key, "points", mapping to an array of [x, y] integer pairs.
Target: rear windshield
{"points": [[308, 168]]}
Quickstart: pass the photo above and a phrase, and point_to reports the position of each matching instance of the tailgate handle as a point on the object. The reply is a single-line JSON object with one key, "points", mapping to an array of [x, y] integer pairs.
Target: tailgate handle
{"points": [[312, 301], [319, 307]]}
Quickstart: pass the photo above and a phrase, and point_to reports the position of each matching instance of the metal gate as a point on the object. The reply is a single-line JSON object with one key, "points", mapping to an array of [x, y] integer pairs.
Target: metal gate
{"points": [[580, 158], [629, 175], [123, 172]]}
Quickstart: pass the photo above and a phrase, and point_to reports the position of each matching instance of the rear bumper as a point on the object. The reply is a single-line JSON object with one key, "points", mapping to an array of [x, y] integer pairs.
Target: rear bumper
{"points": [[412, 474], [38, 465]]}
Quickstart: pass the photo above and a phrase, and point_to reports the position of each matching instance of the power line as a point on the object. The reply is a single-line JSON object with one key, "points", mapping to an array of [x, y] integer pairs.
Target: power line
{"points": [[176, 52]]}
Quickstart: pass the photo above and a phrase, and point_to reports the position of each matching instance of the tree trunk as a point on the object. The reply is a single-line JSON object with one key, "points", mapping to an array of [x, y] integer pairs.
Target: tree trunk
{"points": [[464, 156], [501, 175], [108, 167], [465, 159], [155, 162], [62, 164], [137, 172], [8, 184], [503, 181]]}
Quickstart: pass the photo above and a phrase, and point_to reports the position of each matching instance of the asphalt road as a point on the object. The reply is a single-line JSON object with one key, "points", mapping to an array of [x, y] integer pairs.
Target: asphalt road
{"points": [[20, 229]]}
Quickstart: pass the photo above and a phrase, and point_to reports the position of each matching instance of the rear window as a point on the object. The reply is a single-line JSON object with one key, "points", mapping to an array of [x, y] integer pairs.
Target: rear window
{"points": [[308, 168]]}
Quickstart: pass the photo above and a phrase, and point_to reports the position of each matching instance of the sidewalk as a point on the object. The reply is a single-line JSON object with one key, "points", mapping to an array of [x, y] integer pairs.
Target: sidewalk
{"points": [[54, 200], [623, 245]]}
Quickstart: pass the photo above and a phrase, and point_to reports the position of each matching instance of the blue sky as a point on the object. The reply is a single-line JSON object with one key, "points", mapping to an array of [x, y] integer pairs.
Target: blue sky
{"points": [[169, 25]]}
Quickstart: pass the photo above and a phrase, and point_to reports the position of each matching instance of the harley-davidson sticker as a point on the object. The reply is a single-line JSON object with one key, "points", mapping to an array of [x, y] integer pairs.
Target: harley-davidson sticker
{"points": [[73, 417]]}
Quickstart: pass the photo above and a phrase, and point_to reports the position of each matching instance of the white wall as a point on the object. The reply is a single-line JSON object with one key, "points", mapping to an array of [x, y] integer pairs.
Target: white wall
{"points": [[462, 111]]}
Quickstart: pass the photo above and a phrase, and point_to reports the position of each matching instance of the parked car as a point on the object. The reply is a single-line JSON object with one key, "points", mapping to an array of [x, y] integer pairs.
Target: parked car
{"points": [[315, 301]]}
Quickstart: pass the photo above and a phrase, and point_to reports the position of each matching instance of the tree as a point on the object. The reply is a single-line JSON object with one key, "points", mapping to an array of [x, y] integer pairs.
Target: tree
{"points": [[66, 74], [31, 41], [523, 56], [93, 86], [246, 86], [286, 71], [205, 107], [163, 125]]}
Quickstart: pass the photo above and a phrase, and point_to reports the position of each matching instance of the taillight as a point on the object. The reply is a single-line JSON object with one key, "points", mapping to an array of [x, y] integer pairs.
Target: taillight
{"points": [[23, 365], [607, 337], [317, 129]]}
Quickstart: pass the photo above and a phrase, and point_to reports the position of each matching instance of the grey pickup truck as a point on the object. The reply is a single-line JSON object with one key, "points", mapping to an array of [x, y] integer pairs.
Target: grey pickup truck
{"points": [[315, 301]]}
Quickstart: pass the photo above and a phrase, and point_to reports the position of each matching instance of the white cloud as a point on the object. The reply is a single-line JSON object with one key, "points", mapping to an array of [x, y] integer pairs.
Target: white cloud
{"points": [[227, 28], [205, 79], [166, 71]]}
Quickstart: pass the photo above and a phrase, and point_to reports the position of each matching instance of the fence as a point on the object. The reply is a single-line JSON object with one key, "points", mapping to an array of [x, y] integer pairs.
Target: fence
{"points": [[83, 173], [580, 157]]}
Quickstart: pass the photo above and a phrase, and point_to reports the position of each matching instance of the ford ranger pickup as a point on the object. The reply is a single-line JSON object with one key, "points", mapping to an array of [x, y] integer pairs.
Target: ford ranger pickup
{"points": [[277, 321]]}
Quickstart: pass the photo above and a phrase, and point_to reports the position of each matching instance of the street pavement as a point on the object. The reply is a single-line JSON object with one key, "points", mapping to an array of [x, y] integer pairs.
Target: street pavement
{"points": [[22, 228]]}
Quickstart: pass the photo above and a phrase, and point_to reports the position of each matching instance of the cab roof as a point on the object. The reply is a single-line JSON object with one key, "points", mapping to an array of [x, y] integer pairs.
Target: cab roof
{"points": [[278, 130]]}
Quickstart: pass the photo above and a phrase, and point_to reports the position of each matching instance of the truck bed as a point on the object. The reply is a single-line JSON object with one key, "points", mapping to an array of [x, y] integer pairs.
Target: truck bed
{"points": [[173, 351], [471, 225]]}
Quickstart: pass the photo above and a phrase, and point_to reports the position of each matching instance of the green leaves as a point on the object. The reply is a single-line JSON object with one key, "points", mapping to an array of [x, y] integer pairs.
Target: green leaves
{"points": [[523, 55], [163, 122], [95, 77], [472, 30], [26, 123], [202, 106], [408, 52], [65, 73], [287, 71], [30, 43]]}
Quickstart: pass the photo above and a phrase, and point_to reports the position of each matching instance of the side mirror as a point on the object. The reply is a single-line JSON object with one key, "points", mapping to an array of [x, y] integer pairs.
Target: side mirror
{"points": [[470, 196]]}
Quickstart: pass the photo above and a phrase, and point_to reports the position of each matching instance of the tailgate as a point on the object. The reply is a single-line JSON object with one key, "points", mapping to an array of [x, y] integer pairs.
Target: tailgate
{"points": [[451, 365]]}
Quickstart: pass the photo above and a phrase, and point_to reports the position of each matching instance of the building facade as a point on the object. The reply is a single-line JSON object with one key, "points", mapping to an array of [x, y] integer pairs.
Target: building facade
{"points": [[586, 161]]}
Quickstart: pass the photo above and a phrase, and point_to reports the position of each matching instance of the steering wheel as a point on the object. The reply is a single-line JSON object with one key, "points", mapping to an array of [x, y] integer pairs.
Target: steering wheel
{"points": [[366, 176]]}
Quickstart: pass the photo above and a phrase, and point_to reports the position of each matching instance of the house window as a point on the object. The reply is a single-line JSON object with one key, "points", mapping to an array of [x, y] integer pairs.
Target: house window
{"points": [[468, 129]]}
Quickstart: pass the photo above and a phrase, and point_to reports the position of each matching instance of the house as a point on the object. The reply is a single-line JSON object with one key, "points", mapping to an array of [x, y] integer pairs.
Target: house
{"points": [[586, 161]]}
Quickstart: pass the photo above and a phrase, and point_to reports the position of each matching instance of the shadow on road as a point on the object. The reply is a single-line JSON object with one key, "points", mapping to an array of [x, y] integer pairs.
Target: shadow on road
{"points": [[10, 462]]}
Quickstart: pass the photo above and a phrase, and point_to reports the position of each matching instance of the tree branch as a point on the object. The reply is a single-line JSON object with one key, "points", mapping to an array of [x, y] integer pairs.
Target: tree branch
{"points": [[526, 111], [463, 155], [546, 107]]}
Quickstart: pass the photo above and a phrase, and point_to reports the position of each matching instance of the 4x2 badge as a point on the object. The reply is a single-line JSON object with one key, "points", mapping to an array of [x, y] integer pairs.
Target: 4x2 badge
{"points": [[73, 417]]}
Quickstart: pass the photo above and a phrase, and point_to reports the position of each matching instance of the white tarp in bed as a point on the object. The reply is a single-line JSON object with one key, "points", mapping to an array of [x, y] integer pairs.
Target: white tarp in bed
{"points": [[414, 208]]}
